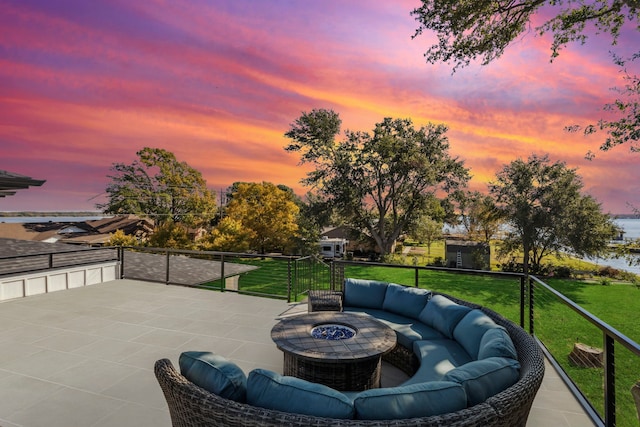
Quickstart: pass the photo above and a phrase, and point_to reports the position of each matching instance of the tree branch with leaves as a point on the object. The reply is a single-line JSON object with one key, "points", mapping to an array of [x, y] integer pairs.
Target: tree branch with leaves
{"points": [[379, 182]]}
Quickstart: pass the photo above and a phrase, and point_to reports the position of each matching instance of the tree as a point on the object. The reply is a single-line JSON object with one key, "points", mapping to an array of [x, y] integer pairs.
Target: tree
{"points": [[627, 128], [478, 214], [267, 214], [426, 230], [170, 235], [547, 214], [469, 29], [229, 236], [157, 185], [378, 183], [119, 238]]}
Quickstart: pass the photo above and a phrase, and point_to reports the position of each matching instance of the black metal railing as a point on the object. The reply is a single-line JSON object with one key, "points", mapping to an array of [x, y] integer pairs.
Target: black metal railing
{"points": [[249, 273], [43, 261], [603, 387]]}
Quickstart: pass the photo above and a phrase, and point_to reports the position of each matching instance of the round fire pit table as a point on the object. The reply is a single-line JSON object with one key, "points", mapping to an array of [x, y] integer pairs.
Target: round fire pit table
{"points": [[340, 350]]}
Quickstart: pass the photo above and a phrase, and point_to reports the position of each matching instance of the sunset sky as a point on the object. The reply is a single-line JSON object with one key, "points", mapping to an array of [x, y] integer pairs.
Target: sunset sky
{"points": [[84, 84]]}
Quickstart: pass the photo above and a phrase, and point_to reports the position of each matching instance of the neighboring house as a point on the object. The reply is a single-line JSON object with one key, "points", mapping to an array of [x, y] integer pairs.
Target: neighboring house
{"points": [[467, 254], [357, 242], [95, 232], [196, 234]]}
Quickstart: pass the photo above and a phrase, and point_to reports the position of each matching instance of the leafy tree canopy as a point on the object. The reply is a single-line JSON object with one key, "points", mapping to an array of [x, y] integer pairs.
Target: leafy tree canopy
{"points": [[119, 238], [469, 30], [157, 185], [170, 235], [260, 216], [482, 29], [548, 214], [378, 182], [229, 236], [478, 214]]}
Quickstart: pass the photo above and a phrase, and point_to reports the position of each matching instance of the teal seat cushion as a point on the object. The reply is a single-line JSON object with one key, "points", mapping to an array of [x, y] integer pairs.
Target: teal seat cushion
{"points": [[405, 301], [214, 373], [437, 358], [407, 330], [443, 314], [412, 401], [364, 293], [497, 343], [270, 390], [484, 378], [471, 329]]}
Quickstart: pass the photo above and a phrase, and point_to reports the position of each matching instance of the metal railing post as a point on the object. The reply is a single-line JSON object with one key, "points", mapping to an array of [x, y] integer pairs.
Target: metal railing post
{"points": [[522, 299], [531, 307], [121, 261], [289, 280], [166, 279], [609, 381], [416, 279], [222, 280]]}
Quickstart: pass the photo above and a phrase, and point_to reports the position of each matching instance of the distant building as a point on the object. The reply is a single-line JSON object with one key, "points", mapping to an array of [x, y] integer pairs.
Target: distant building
{"points": [[94, 232], [467, 254]]}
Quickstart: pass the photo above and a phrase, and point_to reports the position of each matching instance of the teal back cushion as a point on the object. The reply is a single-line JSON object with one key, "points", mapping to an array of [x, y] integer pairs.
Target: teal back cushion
{"points": [[484, 378], [442, 314], [270, 390], [411, 401], [497, 343], [364, 293], [405, 301], [214, 373], [471, 329]]}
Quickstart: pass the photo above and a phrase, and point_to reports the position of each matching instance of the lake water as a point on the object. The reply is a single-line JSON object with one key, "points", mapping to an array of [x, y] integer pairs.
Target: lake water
{"points": [[28, 219], [631, 229]]}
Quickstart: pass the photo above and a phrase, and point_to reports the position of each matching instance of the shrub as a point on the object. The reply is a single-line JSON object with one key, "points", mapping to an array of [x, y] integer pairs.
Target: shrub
{"points": [[562, 272], [607, 271], [438, 262]]}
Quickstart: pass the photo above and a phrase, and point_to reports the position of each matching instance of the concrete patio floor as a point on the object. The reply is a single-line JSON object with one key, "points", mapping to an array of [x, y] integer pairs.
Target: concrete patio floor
{"points": [[84, 357]]}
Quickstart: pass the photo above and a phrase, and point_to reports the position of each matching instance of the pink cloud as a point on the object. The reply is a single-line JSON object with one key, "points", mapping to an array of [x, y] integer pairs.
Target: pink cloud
{"points": [[88, 85]]}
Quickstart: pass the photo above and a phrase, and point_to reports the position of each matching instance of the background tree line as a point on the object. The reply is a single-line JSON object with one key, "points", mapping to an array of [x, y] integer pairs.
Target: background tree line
{"points": [[394, 183]]}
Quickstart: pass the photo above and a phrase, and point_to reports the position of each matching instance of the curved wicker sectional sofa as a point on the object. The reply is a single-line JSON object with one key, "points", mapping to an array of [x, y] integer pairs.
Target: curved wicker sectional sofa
{"points": [[190, 405]]}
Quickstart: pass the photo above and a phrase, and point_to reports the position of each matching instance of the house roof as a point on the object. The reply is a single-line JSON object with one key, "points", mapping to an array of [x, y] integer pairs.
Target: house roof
{"points": [[10, 182], [81, 232]]}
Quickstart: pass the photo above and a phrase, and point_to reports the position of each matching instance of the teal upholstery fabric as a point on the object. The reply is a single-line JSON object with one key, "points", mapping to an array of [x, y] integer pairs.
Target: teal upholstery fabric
{"points": [[407, 330], [484, 378], [437, 358], [471, 329], [215, 374], [405, 301], [497, 343], [364, 293], [417, 400], [270, 390], [443, 314]]}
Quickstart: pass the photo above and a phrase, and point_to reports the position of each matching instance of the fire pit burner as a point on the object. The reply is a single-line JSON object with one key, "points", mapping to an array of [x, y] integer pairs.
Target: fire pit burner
{"points": [[332, 331]]}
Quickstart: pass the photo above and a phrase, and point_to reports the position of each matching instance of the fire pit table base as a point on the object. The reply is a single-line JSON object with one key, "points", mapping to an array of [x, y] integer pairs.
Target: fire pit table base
{"points": [[343, 361], [360, 375]]}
